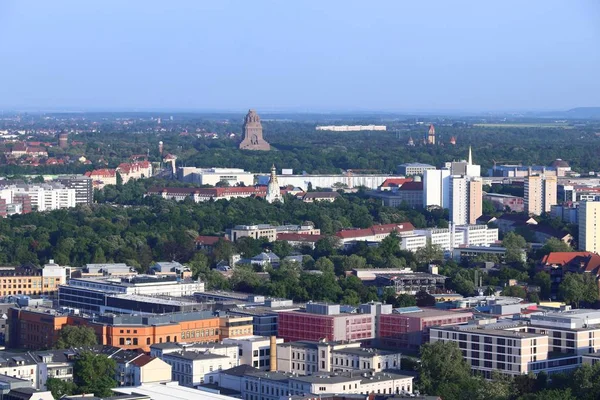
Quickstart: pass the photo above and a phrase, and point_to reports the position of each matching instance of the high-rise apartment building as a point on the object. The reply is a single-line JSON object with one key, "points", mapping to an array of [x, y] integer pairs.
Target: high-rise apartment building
{"points": [[465, 201], [589, 226], [540, 194], [436, 184]]}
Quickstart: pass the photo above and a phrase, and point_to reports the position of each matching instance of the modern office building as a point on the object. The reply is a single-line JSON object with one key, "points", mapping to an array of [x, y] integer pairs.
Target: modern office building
{"points": [[540, 194], [589, 226], [410, 169], [84, 191], [324, 321]]}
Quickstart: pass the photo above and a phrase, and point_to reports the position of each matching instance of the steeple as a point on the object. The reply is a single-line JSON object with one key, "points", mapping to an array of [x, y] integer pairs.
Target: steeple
{"points": [[470, 156], [273, 190]]}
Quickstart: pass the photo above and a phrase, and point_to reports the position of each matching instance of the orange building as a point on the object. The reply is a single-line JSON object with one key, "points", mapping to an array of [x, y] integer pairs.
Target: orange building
{"points": [[32, 281], [38, 328], [235, 327]]}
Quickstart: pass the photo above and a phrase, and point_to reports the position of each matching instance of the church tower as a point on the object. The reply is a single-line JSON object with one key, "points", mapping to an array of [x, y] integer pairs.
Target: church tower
{"points": [[431, 135], [273, 190], [253, 133]]}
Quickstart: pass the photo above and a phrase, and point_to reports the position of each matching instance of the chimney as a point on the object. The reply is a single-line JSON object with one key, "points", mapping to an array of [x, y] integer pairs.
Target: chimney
{"points": [[273, 357]]}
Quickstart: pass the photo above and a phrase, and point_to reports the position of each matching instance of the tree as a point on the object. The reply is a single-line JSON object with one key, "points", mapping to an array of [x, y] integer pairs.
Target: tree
{"points": [[76, 336], [94, 373], [576, 288], [543, 280], [553, 245], [223, 250], [405, 300], [514, 291], [282, 248], [119, 180], [223, 183], [429, 253], [443, 370], [199, 265], [327, 246], [424, 299], [60, 388], [390, 244], [324, 264], [514, 245]]}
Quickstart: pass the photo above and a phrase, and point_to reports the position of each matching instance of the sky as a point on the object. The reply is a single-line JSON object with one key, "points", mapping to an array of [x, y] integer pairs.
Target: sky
{"points": [[299, 55]]}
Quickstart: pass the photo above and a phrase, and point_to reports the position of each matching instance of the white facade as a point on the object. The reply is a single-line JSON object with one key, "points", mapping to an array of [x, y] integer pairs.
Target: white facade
{"points": [[254, 350], [589, 226], [212, 176], [329, 181], [436, 186], [475, 235], [190, 368], [413, 242], [459, 200], [45, 197], [153, 287]]}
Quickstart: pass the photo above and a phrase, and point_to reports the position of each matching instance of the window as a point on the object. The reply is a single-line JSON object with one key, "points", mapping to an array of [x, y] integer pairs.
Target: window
{"points": [[135, 341], [255, 353], [122, 341]]}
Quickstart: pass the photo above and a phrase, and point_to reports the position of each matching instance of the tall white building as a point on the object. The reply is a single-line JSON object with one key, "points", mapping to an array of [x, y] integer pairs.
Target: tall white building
{"points": [[589, 226], [436, 184]]}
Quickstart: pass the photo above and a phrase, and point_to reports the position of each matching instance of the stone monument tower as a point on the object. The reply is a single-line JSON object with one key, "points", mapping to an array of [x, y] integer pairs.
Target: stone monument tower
{"points": [[253, 134]]}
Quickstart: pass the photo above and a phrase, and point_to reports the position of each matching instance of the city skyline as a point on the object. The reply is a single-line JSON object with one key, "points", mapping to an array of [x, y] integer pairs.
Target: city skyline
{"points": [[309, 56]]}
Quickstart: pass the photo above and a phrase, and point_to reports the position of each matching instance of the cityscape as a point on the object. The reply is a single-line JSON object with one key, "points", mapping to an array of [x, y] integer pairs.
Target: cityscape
{"points": [[263, 245]]}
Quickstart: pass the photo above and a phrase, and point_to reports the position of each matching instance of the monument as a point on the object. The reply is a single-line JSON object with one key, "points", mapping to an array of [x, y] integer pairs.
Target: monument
{"points": [[253, 134]]}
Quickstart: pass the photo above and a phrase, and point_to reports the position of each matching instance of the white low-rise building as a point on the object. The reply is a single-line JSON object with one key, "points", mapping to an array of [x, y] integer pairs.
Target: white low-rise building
{"points": [[254, 350], [190, 367], [212, 176]]}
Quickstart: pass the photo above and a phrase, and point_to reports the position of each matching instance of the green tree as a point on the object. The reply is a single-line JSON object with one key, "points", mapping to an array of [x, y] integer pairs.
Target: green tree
{"points": [[60, 388], [515, 291], [199, 265], [223, 250], [553, 245], [324, 264], [282, 248], [390, 244], [443, 370], [543, 280], [119, 180], [514, 245], [94, 373], [405, 300], [576, 288], [429, 253], [76, 336]]}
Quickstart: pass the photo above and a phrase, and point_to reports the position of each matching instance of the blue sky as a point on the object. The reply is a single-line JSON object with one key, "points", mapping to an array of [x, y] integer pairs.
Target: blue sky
{"points": [[309, 55]]}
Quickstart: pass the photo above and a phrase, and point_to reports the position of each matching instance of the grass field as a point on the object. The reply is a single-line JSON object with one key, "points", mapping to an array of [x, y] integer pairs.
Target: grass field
{"points": [[525, 125]]}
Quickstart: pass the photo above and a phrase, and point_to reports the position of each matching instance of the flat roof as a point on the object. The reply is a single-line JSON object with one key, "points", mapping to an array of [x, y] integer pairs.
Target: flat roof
{"points": [[170, 391], [483, 330]]}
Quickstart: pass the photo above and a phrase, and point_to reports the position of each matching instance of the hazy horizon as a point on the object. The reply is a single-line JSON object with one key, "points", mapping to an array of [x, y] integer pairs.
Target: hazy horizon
{"points": [[312, 56]]}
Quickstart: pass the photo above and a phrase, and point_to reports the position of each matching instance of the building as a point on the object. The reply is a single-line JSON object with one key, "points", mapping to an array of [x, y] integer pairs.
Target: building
{"points": [[324, 321], [38, 327], [102, 177], [350, 179], [557, 264], [253, 133], [134, 170], [409, 193], [540, 194], [411, 169], [39, 196], [462, 253], [436, 188], [253, 384], [139, 369], [310, 358], [567, 212], [190, 367], [235, 327], [509, 349], [31, 281], [63, 140], [266, 231], [464, 167], [166, 391], [409, 327], [376, 233], [475, 235], [430, 138], [589, 226], [273, 191], [212, 176], [406, 281], [84, 191], [465, 199], [99, 294], [311, 197], [255, 350], [351, 128], [505, 202]]}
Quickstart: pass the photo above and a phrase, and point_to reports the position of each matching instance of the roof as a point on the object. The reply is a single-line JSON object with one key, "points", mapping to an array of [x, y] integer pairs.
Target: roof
{"points": [[209, 240], [321, 195], [170, 391], [240, 370], [106, 173], [142, 360], [375, 230], [586, 260], [299, 237], [517, 218], [395, 182], [411, 186]]}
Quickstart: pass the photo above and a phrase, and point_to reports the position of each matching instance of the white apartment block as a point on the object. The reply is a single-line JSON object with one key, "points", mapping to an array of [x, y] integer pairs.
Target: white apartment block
{"points": [[436, 184], [466, 199], [413, 242], [509, 350], [475, 235], [589, 226], [469, 235], [190, 367], [254, 350], [212, 176], [46, 197], [309, 358]]}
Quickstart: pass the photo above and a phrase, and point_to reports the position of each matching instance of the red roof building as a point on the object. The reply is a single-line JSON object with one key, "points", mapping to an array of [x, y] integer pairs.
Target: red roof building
{"points": [[557, 264], [392, 183], [376, 233]]}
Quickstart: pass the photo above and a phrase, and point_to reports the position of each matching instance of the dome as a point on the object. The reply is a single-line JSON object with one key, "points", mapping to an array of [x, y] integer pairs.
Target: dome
{"points": [[558, 163]]}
